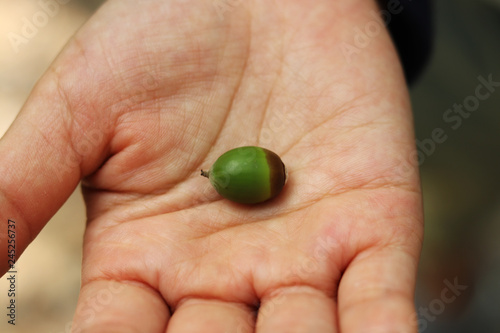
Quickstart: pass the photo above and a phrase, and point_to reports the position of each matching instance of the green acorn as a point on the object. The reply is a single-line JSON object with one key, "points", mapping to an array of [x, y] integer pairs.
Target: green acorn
{"points": [[248, 175]]}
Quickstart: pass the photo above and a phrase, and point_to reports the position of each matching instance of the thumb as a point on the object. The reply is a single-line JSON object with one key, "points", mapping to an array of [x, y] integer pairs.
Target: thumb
{"points": [[50, 146]]}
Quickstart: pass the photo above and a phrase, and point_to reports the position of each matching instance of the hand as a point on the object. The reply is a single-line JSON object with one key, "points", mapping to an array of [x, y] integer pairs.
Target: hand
{"points": [[148, 93]]}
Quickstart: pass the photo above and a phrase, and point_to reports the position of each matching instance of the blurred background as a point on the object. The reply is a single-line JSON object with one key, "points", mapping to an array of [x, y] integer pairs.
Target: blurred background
{"points": [[461, 178], [458, 286]]}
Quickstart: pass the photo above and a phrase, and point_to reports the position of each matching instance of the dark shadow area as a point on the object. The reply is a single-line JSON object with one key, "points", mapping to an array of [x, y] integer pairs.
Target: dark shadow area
{"points": [[459, 97]]}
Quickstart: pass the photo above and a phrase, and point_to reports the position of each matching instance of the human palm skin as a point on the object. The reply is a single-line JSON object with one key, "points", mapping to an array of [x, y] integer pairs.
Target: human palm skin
{"points": [[150, 92]]}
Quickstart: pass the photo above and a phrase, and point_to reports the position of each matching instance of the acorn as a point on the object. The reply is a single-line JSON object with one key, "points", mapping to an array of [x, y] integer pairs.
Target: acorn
{"points": [[248, 175]]}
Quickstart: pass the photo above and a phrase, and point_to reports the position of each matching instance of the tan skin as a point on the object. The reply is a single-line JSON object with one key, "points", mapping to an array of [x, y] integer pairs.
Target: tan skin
{"points": [[148, 93]]}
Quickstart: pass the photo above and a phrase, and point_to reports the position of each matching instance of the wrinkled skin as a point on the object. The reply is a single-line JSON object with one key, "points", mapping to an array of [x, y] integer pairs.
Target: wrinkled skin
{"points": [[149, 92]]}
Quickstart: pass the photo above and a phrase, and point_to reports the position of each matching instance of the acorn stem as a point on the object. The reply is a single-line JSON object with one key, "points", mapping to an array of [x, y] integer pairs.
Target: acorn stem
{"points": [[205, 173]]}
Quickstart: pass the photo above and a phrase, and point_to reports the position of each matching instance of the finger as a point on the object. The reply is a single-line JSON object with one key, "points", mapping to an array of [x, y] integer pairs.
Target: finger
{"points": [[207, 316], [43, 155], [376, 292], [297, 309], [111, 306]]}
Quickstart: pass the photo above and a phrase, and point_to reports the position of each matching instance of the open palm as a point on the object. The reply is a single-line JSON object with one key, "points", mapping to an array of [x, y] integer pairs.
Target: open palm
{"points": [[148, 93]]}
